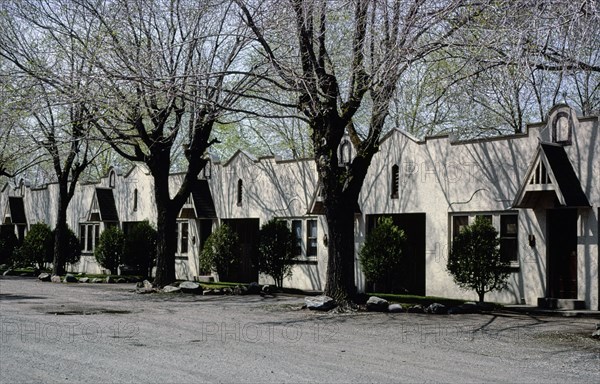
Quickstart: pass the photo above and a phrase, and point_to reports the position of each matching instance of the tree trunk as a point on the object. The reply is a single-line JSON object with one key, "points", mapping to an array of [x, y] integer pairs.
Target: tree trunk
{"points": [[340, 284], [481, 295], [166, 245], [60, 232]]}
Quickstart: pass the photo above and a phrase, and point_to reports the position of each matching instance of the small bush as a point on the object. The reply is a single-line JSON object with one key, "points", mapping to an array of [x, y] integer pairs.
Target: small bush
{"points": [[475, 261], [37, 248], [381, 254], [110, 248], [8, 245], [139, 248], [275, 248], [221, 251], [73, 248]]}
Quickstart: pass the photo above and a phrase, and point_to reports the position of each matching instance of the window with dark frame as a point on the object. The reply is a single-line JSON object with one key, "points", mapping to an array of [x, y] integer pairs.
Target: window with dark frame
{"points": [[184, 242], [458, 223], [297, 233], [135, 199], [395, 181], [509, 232], [239, 192], [311, 238]]}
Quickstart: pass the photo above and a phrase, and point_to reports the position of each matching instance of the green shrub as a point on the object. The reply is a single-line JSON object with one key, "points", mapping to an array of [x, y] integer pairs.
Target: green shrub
{"points": [[110, 248], [275, 249], [381, 254], [37, 248], [139, 249], [8, 244], [221, 251], [475, 261], [73, 248]]}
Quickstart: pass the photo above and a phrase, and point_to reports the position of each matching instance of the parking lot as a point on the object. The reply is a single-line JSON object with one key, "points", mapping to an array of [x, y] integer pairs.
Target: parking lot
{"points": [[53, 332]]}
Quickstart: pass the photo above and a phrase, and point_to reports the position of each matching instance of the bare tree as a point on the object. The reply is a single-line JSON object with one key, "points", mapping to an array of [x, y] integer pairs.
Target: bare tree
{"points": [[51, 95], [168, 72], [344, 65]]}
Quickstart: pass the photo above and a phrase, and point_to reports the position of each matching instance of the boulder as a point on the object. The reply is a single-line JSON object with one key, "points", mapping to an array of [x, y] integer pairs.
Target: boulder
{"points": [[596, 335], [190, 287], [464, 308], [267, 291], [319, 303], [96, 280], [226, 291], [377, 304], [253, 289], [70, 279], [437, 309], [147, 284], [395, 308], [110, 279], [122, 280], [55, 279], [209, 292], [84, 280], [45, 277], [418, 308], [240, 290], [171, 289], [7, 272]]}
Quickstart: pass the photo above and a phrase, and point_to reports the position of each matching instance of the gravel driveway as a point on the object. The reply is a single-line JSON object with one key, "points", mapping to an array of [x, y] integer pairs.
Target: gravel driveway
{"points": [[107, 334]]}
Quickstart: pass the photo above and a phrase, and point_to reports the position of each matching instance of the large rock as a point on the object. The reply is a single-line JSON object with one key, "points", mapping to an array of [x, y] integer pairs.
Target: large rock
{"points": [[96, 280], [171, 289], [395, 308], [55, 279], [84, 280], [70, 279], [319, 303], [464, 308], [8, 272], [596, 335], [190, 287], [147, 284], [122, 280], [45, 276], [110, 279], [437, 309], [253, 289], [418, 308], [377, 304]]}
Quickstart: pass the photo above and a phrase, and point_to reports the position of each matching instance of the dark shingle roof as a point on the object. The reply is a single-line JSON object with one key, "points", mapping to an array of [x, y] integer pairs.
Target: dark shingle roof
{"points": [[17, 210], [106, 204], [565, 176], [203, 201]]}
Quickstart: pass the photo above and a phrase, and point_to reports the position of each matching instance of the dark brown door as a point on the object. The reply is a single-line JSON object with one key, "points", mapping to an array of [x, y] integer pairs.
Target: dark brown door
{"points": [[562, 253], [247, 231], [410, 278]]}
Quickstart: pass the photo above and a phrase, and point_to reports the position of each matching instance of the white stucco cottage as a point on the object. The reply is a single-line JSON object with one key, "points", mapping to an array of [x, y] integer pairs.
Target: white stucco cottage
{"points": [[541, 189]]}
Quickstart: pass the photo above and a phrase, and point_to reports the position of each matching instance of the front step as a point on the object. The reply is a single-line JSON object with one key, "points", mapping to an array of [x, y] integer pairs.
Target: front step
{"points": [[564, 304]]}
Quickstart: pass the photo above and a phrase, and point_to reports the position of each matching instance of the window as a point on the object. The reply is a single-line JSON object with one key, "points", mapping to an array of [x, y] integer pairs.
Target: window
{"points": [[458, 223], [111, 179], [395, 181], [135, 199], [239, 192], [311, 238], [297, 233], [509, 229], [88, 236], [506, 223], [183, 236]]}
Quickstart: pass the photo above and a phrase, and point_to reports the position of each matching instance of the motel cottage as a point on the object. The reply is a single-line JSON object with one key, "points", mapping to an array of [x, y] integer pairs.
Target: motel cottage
{"points": [[540, 189]]}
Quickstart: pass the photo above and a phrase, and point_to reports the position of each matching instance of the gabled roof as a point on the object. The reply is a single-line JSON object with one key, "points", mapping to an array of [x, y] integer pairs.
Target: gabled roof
{"points": [[552, 173], [17, 210], [203, 201], [106, 204]]}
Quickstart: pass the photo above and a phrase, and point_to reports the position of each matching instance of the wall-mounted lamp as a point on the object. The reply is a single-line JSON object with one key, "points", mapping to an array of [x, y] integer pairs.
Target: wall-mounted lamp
{"points": [[532, 241]]}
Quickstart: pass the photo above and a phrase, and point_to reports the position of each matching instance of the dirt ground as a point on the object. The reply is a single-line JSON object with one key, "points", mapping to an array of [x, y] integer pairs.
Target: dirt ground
{"points": [[107, 333]]}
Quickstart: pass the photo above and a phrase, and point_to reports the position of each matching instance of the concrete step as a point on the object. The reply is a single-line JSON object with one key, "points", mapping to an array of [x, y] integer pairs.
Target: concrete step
{"points": [[564, 304]]}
